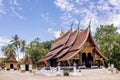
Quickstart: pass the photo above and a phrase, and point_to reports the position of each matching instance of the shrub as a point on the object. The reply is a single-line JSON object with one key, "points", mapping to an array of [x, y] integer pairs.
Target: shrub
{"points": [[15, 68], [117, 65], [8, 69], [115, 59], [106, 64], [18, 66], [34, 66], [66, 73]]}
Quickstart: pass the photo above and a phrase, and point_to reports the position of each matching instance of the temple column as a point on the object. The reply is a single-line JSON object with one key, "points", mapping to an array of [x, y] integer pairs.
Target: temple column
{"points": [[68, 62], [93, 56], [58, 66], [80, 58]]}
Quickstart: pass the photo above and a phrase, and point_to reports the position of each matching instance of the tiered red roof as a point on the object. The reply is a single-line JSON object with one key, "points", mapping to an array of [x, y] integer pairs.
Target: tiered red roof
{"points": [[70, 44], [77, 46], [11, 58]]}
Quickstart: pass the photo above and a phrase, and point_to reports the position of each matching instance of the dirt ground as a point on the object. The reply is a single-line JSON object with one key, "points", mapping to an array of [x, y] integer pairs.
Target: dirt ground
{"points": [[87, 74]]}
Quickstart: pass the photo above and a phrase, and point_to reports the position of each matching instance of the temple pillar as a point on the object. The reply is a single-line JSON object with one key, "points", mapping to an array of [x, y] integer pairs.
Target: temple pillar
{"points": [[80, 58], [68, 62], [93, 57], [74, 67], [58, 66]]}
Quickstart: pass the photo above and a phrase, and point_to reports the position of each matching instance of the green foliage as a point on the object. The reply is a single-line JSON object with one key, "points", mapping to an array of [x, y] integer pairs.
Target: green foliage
{"points": [[117, 65], [18, 66], [2, 62], [15, 42], [108, 40], [47, 44], [7, 50], [115, 58], [106, 64], [37, 50], [66, 73], [34, 66], [23, 46]]}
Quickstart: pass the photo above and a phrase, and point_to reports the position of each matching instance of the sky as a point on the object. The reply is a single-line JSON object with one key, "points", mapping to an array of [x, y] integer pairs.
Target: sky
{"points": [[45, 19]]}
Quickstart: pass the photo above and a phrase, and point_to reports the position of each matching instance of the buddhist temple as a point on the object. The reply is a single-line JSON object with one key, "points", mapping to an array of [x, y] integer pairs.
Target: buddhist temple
{"points": [[26, 64], [11, 62], [74, 47]]}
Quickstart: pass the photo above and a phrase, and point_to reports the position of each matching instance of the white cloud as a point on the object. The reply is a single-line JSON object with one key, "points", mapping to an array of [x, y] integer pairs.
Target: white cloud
{"points": [[64, 5], [45, 17], [14, 2], [118, 31], [1, 4], [2, 10], [17, 14], [115, 3], [14, 6], [55, 33], [3, 41], [102, 12]]}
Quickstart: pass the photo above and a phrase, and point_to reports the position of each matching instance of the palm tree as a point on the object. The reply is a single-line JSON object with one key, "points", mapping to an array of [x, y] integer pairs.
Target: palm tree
{"points": [[16, 43], [23, 46], [7, 50]]}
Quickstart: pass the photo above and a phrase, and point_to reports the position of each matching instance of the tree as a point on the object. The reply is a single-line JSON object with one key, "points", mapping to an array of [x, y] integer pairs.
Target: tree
{"points": [[105, 37], [2, 65], [7, 50], [36, 50], [33, 50], [108, 40], [47, 44], [15, 42], [23, 46]]}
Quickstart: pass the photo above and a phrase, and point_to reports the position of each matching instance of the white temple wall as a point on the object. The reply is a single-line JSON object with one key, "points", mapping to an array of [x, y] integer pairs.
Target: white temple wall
{"points": [[22, 67]]}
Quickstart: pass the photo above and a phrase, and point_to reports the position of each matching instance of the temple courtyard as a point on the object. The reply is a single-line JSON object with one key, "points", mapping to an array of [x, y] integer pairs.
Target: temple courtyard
{"points": [[86, 74]]}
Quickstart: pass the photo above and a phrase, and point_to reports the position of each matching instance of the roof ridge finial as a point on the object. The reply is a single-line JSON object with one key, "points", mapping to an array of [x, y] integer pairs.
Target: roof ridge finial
{"points": [[79, 25], [71, 26], [89, 26], [62, 32]]}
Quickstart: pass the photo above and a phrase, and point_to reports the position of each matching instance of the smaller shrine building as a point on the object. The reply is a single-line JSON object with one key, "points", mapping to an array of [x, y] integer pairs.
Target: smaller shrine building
{"points": [[11, 62], [26, 64]]}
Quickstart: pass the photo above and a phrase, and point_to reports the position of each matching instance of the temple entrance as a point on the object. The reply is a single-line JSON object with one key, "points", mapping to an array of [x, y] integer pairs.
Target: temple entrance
{"points": [[53, 62], [83, 58], [11, 66], [77, 62], [89, 60], [26, 67]]}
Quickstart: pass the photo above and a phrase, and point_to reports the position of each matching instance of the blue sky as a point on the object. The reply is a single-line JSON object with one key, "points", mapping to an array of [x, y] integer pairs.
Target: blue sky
{"points": [[45, 18]]}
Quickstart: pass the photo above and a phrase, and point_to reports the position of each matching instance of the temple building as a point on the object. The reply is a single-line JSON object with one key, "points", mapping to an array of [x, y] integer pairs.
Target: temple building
{"points": [[11, 62], [74, 47], [26, 64]]}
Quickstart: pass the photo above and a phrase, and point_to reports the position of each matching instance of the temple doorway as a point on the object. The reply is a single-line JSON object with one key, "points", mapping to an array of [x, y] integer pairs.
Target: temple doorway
{"points": [[53, 62], [89, 60], [11, 66], [84, 58], [26, 67]]}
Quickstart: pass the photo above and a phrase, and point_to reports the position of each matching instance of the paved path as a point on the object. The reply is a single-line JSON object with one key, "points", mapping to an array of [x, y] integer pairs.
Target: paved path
{"points": [[87, 74]]}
